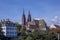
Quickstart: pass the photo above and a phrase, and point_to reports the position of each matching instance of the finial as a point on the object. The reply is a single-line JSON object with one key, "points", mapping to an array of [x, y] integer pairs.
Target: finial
{"points": [[29, 12], [7, 19], [1, 20], [4, 20], [23, 10]]}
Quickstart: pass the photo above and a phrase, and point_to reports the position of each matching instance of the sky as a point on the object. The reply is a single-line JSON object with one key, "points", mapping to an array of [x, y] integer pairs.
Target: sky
{"points": [[49, 10]]}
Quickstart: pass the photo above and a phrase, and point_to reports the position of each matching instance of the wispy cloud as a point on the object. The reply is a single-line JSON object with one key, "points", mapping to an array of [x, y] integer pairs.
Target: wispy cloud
{"points": [[56, 20]]}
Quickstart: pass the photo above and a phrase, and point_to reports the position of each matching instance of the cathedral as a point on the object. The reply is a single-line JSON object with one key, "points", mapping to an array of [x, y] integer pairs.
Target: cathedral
{"points": [[30, 24], [24, 23]]}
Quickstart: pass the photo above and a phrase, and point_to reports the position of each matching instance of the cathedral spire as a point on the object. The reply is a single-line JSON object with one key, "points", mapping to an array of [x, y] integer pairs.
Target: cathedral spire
{"points": [[23, 20], [29, 16], [23, 11]]}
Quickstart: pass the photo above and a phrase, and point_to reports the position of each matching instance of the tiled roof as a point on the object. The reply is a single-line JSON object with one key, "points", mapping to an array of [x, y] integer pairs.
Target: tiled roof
{"points": [[8, 23]]}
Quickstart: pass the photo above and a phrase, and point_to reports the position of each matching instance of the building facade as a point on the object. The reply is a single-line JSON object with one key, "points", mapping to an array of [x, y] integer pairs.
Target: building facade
{"points": [[23, 21], [9, 29], [30, 24]]}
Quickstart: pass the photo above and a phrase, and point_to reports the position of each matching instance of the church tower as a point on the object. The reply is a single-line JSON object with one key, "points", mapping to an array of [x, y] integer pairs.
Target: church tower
{"points": [[29, 17], [23, 20]]}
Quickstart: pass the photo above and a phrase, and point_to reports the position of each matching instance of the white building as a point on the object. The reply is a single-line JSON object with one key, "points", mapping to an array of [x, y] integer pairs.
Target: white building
{"points": [[52, 26], [9, 29]]}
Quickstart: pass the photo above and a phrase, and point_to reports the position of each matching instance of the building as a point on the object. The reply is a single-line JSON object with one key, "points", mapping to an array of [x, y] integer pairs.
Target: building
{"points": [[9, 29], [55, 28], [42, 25], [29, 17], [23, 21], [30, 24]]}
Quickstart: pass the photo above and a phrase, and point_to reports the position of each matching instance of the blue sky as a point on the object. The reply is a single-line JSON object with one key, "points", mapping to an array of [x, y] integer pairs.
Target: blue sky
{"points": [[46, 9]]}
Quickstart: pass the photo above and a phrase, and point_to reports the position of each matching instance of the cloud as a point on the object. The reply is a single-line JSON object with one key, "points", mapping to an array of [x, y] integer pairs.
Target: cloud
{"points": [[56, 17], [56, 20]]}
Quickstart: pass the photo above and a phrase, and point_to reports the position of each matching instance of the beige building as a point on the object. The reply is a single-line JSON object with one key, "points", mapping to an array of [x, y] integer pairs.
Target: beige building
{"points": [[55, 28], [40, 24], [32, 24]]}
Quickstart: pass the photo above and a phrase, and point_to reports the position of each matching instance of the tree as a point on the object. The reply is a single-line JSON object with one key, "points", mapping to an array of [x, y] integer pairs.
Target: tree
{"points": [[0, 29], [0, 24], [37, 34], [22, 35], [18, 26], [1, 32], [50, 35], [29, 38]]}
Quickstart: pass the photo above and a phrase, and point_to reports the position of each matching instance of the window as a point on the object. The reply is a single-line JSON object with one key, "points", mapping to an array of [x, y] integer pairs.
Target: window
{"points": [[3, 28]]}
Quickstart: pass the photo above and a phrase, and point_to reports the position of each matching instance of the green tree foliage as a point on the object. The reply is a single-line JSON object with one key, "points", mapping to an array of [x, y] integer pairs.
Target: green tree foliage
{"points": [[18, 26], [0, 28], [50, 35], [22, 35], [29, 38], [1, 32], [38, 35], [0, 24]]}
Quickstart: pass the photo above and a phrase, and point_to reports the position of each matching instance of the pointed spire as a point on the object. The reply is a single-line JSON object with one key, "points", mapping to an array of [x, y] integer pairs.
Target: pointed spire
{"points": [[23, 13], [23, 10], [23, 20], [29, 16], [29, 12], [1, 20], [7, 19]]}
